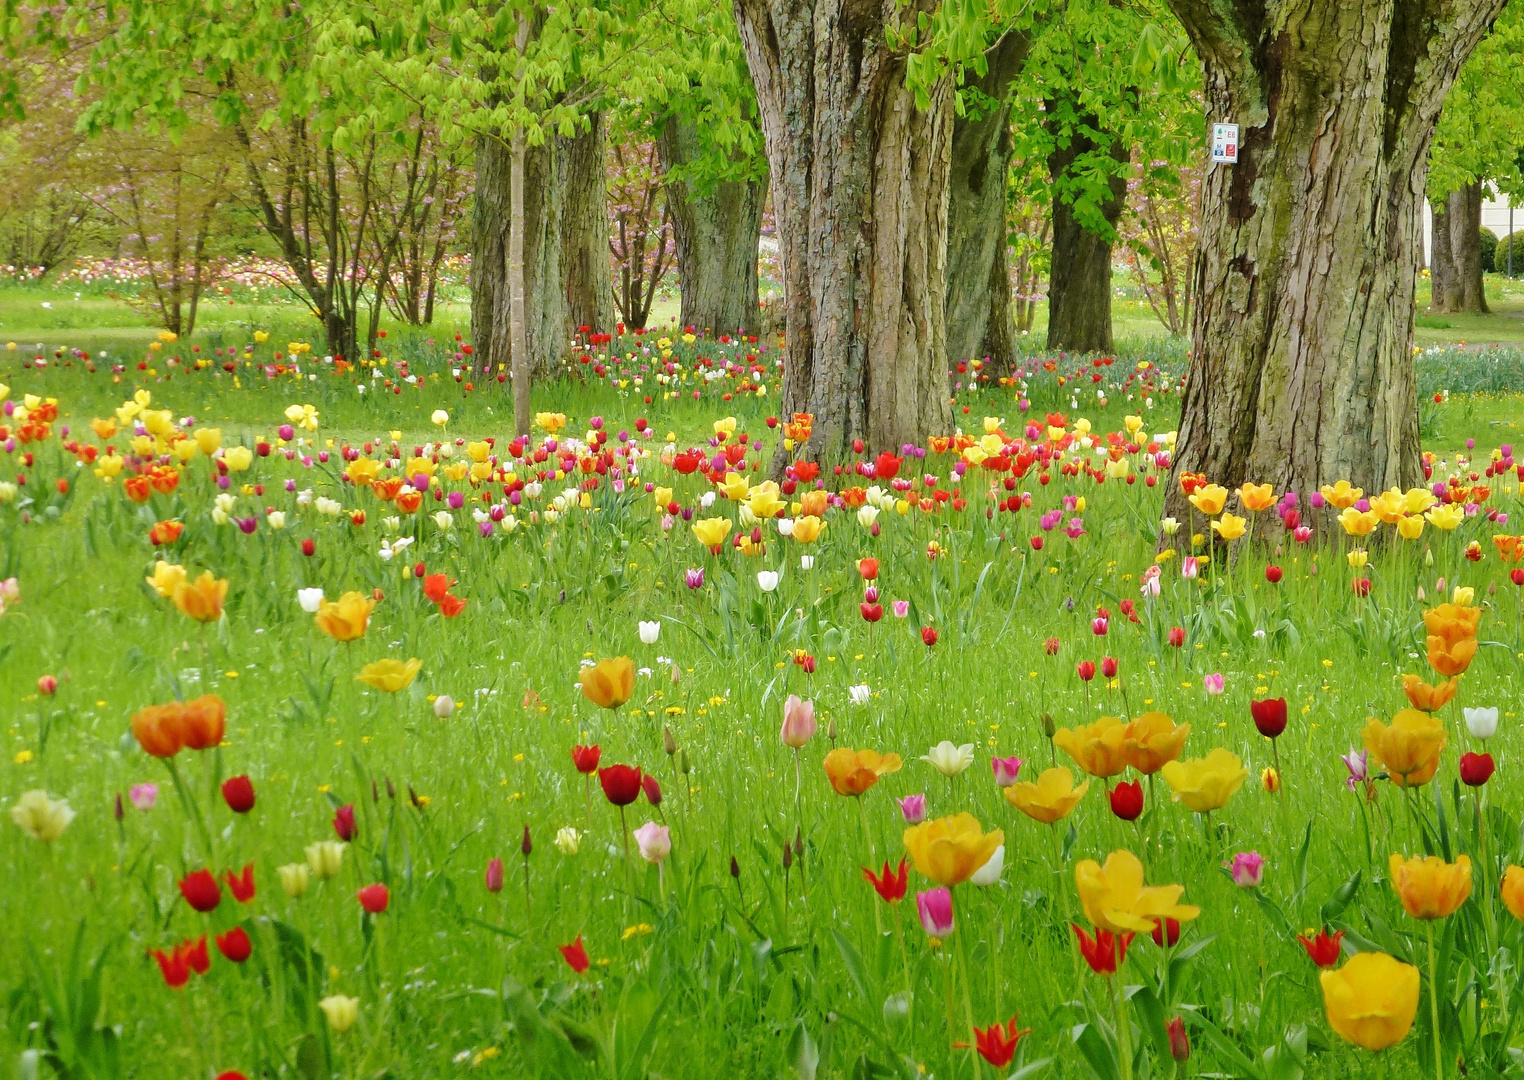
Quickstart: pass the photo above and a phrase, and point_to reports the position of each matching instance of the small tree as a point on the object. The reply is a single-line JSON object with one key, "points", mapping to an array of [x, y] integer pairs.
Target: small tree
{"points": [[640, 229]]}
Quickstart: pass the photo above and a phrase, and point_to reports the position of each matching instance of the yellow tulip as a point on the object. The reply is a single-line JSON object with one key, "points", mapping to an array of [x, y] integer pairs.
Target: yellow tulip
{"points": [[1389, 506], [736, 487], [1097, 748], [808, 529], [1257, 496], [325, 858], [610, 682], [1357, 558], [1512, 888], [853, 772], [1341, 496], [1115, 898], [1447, 517], [342, 1012], [951, 850], [1152, 740], [1430, 888], [1230, 526], [209, 440], [166, 577], [764, 500], [362, 472], [41, 816], [1206, 784], [1410, 527], [1371, 1000], [1210, 499], [711, 532], [1356, 523], [1418, 499], [346, 618], [389, 675], [293, 879], [1409, 749], [201, 599], [1050, 799], [237, 458], [550, 422]]}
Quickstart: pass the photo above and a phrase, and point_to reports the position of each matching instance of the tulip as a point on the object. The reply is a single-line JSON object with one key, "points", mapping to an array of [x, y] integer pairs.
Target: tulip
{"points": [[1166, 934], [936, 911], [997, 1044], [649, 632], [173, 966], [47, 685], [494, 875], [568, 840], [799, 725], [43, 817], [1372, 1000], [1409, 749], [621, 784], [654, 842], [1105, 952], [929, 635], [389, 675], [1127, 800], [949, 759], [1512, 889], [1323, 949], [1476, 769], [344, 824], [1085, 669], [202, 599], [241, 885], [1151, 740], [143, 796], [889, 884], [201, 890], [853, 772], [1007, 770], [1115, 898], [235, 945], [1426, 698], [1213, 683], [913, 809], [990, 872], [1179, 1045], [1247, 869], [609, 683], [341, 1011], [859, 694], [575, 955], [1430, 888], [949, 850], [293, 879], [1269, 716], [345, 619], [648, 784], [767, 580], [585, 758], [325, 858], [1206, 784], [444, 706], [238, 793], [374, 898], [1050, 799], [1482, 723], [1097, 748]]}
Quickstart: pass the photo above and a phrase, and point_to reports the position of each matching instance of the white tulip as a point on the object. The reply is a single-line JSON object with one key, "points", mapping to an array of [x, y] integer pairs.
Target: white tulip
{"points": [[445, 520], [859, 694], [806, 562], [328, 507], [568, 840], [649, 632], [1482, 723], [444, 705], [949, 759], [310, 599], [785, 526], [276, 519], [867, 515], [990, 872], [767, 580]]}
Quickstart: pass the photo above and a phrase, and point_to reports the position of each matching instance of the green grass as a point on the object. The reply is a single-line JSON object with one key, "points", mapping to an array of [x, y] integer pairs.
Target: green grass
{"points": [[755, 975]]}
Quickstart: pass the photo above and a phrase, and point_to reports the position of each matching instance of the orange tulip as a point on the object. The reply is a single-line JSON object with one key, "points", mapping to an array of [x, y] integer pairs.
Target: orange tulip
{"points": [[1097, 748], [1430, 888], [1152, 740], [1409, 748], [1452, 637], [609, 683], [203, 721], [201, 599], [157, 729], [853, 772], [1426, 698], [346, 618]]}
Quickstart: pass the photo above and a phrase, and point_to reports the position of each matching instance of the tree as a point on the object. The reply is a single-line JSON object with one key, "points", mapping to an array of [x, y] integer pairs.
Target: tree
{"points": [[1301, 368], [641, 234]]}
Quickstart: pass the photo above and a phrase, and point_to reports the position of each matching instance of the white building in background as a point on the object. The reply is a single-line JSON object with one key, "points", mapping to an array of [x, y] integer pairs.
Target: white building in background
{"points": [[1499, 215]]}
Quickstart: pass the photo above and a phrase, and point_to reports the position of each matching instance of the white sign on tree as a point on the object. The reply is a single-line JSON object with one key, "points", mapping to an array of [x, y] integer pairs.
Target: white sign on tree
{"points": [[1225, 143]]}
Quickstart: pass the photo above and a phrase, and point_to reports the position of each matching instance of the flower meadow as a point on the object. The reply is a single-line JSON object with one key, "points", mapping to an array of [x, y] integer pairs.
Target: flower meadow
{"points": [[347, 744]]}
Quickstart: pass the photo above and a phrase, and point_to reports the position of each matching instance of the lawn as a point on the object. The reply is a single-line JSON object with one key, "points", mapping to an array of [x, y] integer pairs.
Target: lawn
{"points": [[423, 620]]}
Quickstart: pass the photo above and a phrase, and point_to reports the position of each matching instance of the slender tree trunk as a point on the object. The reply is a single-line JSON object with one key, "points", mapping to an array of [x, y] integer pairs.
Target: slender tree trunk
{"points": [[1079, 285], [1301, 366], [1444, 294], [979, 321], [1466, 248], [715, 230], [585, 229], [859, 184], [518, 338]]}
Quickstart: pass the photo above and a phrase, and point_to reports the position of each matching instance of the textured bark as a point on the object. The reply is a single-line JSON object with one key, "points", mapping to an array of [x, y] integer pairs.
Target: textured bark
{"points": [[859, 185], [1079, 284], [1466, 248], [716, 231], [585, 229], [978, 278], [1301, 368], [1443, 281]]}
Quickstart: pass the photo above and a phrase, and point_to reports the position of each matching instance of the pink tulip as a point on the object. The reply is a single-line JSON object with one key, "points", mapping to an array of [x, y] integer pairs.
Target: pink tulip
{"points": [[914, 809], [799, 725], [143, 796], [1248, 869], [1213, 683], [901, 608], [1189, 567], [494, 876], [1006, 770], [936, 910]]}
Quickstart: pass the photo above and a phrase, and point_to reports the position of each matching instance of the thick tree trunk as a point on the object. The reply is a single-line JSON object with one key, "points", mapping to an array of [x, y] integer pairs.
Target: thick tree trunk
{"points": [[715, 230], [978, 280], [1079, 284], [585, 229], [859, 181], [1466, 248], [1301, 367], [1444, 293]]}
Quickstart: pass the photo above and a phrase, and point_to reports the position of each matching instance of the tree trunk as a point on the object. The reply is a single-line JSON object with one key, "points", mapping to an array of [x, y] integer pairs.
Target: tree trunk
{"points": [[715, 229], [978, 280], [1466, 248], [859, 182], [1444, 294], [1079, 284], [1301, 367], [585, 229]]}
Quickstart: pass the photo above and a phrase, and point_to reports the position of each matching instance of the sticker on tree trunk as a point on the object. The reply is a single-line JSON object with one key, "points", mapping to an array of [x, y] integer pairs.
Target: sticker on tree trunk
{"points": [[1225, 143]]}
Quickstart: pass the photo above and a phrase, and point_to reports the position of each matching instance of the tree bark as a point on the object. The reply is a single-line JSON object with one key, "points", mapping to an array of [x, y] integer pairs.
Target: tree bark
{"points": [[715, 229], [859, 177], [585, 229], [1301, 367], [1444, 296], [978, 278], [1466, 248], [1079, 284]]}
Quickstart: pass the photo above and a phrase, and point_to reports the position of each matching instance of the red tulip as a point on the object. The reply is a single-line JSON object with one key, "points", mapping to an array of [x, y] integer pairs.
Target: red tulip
{"points": [[494, 875], [1166, 933], [235, 945], [232, 1074], [201, 890], [1269, 716], [1085, 669], [1362, 586], [1105, 952], [173, 966], [1476, 769], [1323, 949], [1179, 1045], [309, 547], [344, 825], [1177, 636], [868, 568], [1273, 574], [47, 685], [1517, 576], [621, 784], [241, 885], [889, 884], [575, 955], [871, 612], [1050, 646], [929, 635], [649, 785], [1127, 800], [238, 793], [585, 758], [997, 1043], [1108, 667], [436, 587], [195, 955], [374, 898]]}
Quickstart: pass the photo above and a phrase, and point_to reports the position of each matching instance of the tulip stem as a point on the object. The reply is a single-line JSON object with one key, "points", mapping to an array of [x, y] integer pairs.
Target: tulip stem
{"points": [[1439, 1062], [878, 918], [1124, 1029], [192, 810], [968, 1001]]}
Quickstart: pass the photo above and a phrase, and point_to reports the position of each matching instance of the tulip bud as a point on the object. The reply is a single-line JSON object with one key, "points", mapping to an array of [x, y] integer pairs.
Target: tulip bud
{"points": [[668, 743], [444, 705], [735, 868], [526, 845], [494, 876], [375, 795], [1048, 728], [788, 856], [1179, 1045], [831, 731], [118, 809], [682, 762], [677, 675], [47, 686]]}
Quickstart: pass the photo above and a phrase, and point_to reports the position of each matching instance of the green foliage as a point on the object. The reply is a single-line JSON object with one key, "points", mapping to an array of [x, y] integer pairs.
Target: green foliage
{"points": [[1481, 128]]}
